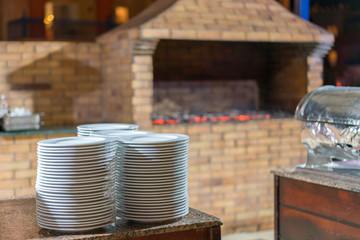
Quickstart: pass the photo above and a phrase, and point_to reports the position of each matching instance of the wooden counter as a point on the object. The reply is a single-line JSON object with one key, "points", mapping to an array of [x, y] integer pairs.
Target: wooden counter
{"points": [[18, 221], [316, 205]]}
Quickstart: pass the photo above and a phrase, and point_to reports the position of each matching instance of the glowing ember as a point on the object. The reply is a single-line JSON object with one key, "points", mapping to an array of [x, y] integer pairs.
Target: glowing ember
{"points": [[216, 117]]}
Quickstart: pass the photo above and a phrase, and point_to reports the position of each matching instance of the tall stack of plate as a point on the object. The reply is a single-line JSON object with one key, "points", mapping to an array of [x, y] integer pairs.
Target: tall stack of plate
{"points": [[153, 177], [89, 129], [75, 185], [119, 136]]}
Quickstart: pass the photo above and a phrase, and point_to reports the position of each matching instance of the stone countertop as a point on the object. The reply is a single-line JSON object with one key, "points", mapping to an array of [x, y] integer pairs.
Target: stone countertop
{"points": [[337, 180], [18, 221], [44, 130]]}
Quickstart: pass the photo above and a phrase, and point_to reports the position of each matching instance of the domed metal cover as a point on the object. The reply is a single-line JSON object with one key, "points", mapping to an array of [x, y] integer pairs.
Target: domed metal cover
{"points": [[329, 104]]}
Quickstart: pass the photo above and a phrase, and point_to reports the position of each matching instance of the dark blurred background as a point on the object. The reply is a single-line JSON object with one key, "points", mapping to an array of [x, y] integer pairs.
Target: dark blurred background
{"points": [[342, 18]]}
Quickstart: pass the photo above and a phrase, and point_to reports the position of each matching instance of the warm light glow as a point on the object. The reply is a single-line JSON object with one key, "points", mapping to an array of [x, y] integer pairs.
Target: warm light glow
{"points": [[121, 15], [49, 19], [333, 58], [333, 29], [338, 82]]}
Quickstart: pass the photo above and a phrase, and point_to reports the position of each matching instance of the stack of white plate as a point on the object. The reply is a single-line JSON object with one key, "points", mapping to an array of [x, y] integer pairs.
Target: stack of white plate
{"points": [[88, 129], [153, 177], [75, 185], [119, 136]]}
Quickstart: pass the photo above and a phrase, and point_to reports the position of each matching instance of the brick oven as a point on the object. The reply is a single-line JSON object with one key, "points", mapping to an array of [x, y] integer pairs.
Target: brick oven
{"points": [[213, 56], [201, 56]]}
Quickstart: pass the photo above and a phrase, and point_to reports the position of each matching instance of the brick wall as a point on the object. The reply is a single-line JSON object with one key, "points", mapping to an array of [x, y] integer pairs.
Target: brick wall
{"points": [[229, 167], [230, 164], [288, 75], [61, 79], [199, 96], [117, 76], [18, 164]]}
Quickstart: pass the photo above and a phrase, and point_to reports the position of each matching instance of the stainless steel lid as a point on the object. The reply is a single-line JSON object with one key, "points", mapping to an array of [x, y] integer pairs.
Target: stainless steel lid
{"points": [[329, 104]]}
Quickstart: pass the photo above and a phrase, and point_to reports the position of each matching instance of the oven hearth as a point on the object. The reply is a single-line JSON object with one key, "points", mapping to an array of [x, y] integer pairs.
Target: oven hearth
{"points": [[227, 116]]}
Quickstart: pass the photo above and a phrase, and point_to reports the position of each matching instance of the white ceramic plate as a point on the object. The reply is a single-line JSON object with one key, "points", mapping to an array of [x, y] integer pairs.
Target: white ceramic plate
{"points": [[152, 146], [153, 180], [172, 169], [154, 155], [156, 138], [76, 188], [160, 157], [146, 200], [50, 181], [161, 205], [83, 134], [153, 176], [77, 166], [153, 162], [78, 219], [150, 189], [74, 229], [62, 215], [61, 196], [76, 162], [140, 211], [63, 204], [73, 223], [128, 214], [81, 171], [107, 126], [152, 214], [109, 144], [48, 205], [122, 202], [96, 187], [71, 142], [119, 133], [76, 152], [100, 153], [72, 200], [155, 146], [75, 179], [153, 166], [155, 186], [178, 193], [76, 211]]}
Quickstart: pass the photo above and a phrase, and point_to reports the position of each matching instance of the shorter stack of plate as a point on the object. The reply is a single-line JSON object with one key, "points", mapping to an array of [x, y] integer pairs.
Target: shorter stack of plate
{"points": [[153, 177], [75, 185], [89, 129]]}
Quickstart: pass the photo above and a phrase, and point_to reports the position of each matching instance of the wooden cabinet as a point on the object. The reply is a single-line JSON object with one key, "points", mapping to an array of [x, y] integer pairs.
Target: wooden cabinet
{"points": [[208, 233], [314, 211]]}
